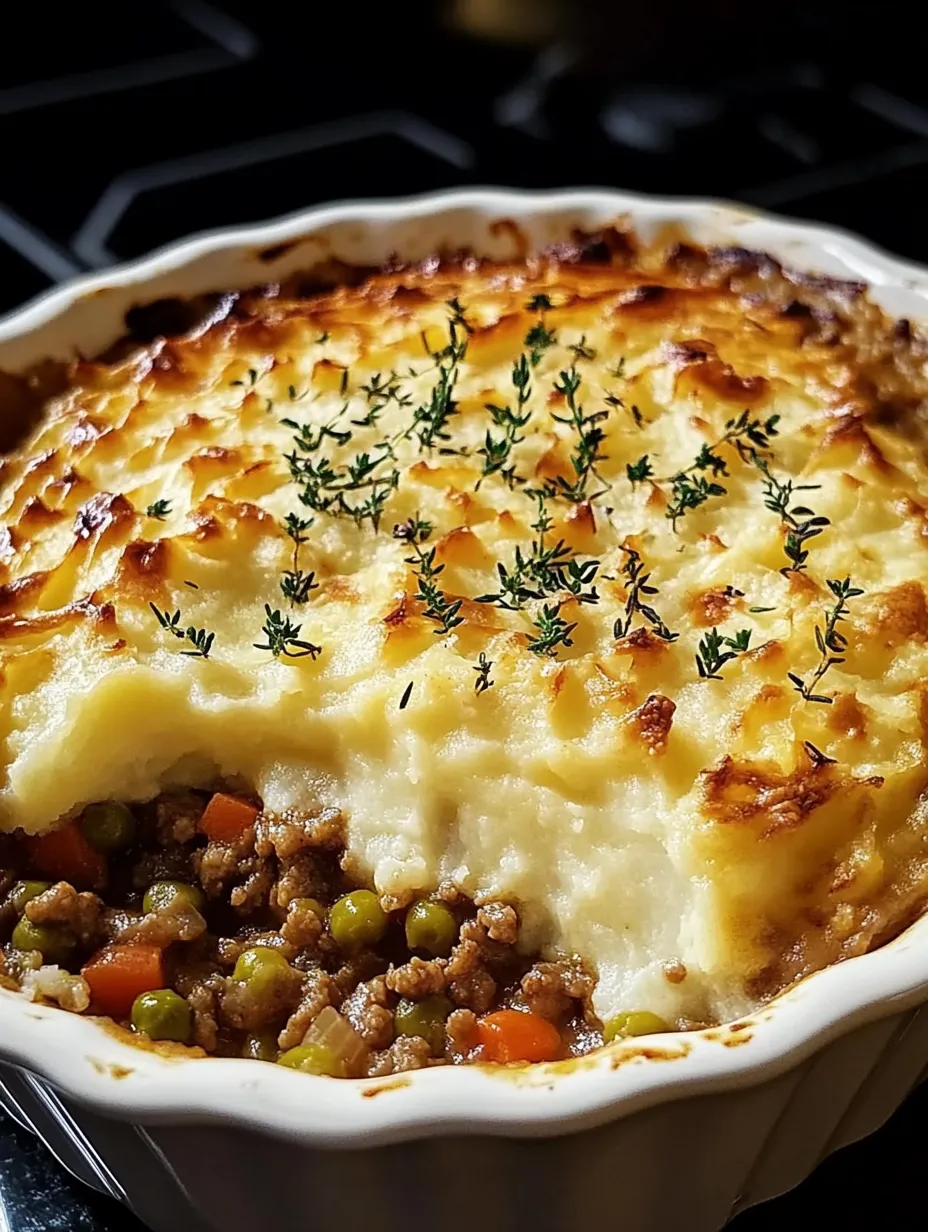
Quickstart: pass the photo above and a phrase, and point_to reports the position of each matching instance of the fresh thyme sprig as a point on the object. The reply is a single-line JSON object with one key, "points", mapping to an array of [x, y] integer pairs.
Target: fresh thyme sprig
{"points": [[800, 523], [283, 637], [430, 420], [326, 487], [637, 587], [590, 437], [640, 471], [495, 452], [200, 640], [613, 400], [830, 642], [552, 630], [539, 338], [158, 509], [689, 490], [295, 583], [580, 350], [483, 667], [323, 488], [712, 656], [379, 392], [438, 607], [547, 570]]}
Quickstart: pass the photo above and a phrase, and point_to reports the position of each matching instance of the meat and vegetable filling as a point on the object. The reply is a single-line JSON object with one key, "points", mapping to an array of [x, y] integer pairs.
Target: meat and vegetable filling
{"points": [[201, 919]]}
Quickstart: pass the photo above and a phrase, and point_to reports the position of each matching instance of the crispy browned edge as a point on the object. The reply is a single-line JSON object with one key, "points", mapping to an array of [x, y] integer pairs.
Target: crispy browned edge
{"points": [[804, 294]]}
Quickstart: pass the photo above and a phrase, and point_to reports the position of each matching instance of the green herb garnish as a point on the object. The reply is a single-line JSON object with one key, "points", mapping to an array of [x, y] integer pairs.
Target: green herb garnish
{"points": [[539, 338], [496, 452], [551, 631], [295, 583], [590, 437], [379, 393], [438, 607], [830, 642], [283, 637], [430, 420], [637, 588], [746, 436], [159, 509], [483, 667], [580, 350], [200, 640], [640, 471], [712, 654], [800, 522], [547, 570]]}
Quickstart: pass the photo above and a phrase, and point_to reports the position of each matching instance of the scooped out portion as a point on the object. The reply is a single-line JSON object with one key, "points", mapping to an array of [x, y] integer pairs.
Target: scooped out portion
{"points": [[202, 919]]}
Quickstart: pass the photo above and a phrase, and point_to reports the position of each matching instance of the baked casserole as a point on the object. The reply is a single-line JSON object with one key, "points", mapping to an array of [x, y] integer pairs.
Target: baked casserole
{"points": [[465, 661]]}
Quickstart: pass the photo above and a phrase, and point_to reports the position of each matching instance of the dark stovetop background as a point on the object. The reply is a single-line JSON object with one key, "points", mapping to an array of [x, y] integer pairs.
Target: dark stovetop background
{"points": [[125, 128]]}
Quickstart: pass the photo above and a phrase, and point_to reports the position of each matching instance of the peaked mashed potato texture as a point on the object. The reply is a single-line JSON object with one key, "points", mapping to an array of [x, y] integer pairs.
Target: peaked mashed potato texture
{"points": [[688, 735]]}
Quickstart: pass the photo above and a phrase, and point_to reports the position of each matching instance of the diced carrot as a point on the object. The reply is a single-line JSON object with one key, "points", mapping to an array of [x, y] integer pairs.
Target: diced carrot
{"points": [[226, 818], [65, 855], [116, 975], [509, 1035]]}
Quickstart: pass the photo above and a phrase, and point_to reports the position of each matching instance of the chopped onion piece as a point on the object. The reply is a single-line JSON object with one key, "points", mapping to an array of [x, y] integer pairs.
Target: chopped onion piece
{"points": [[334, 1032], [55, 984]]}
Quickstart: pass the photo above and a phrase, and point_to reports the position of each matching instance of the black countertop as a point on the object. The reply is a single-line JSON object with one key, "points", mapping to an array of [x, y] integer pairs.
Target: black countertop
{"points": [[119, 136]]}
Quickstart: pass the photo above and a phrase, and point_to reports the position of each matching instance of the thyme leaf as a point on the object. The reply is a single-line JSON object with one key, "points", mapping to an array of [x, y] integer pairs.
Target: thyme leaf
{"points": [[496, 451], [430, 420], [548, 568], [580, 350], [539, 338], [552, 630], [200, 640], [295, 583], [158, 509], [282, 637], [639, 471], [800, 523], [831, 643], [438, 607], [638, 589], [483, 667], [590, 437], [746, 436], [712, 656]]}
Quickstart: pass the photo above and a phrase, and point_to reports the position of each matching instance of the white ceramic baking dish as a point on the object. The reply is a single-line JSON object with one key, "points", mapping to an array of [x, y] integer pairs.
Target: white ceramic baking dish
{"points": [[683, 1133]]}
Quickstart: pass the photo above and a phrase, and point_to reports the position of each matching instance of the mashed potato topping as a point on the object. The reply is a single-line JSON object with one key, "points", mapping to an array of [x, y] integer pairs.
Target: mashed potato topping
{"points": [[594, 582]]}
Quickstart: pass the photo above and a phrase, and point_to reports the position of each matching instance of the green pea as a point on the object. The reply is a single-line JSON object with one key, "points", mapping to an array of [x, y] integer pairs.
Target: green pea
{"points": [[108, 826], [430, 927], [54, 944], [161, 894], [162, 1015], [357, 920], [25, 891], [260, 967], [633, 1022], [313, 1059], [261, 1046], [425, 1018]]}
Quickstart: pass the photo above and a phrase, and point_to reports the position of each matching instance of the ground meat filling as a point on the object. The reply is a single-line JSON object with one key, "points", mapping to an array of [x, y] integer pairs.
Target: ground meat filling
{"points": [[201, 919]]}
